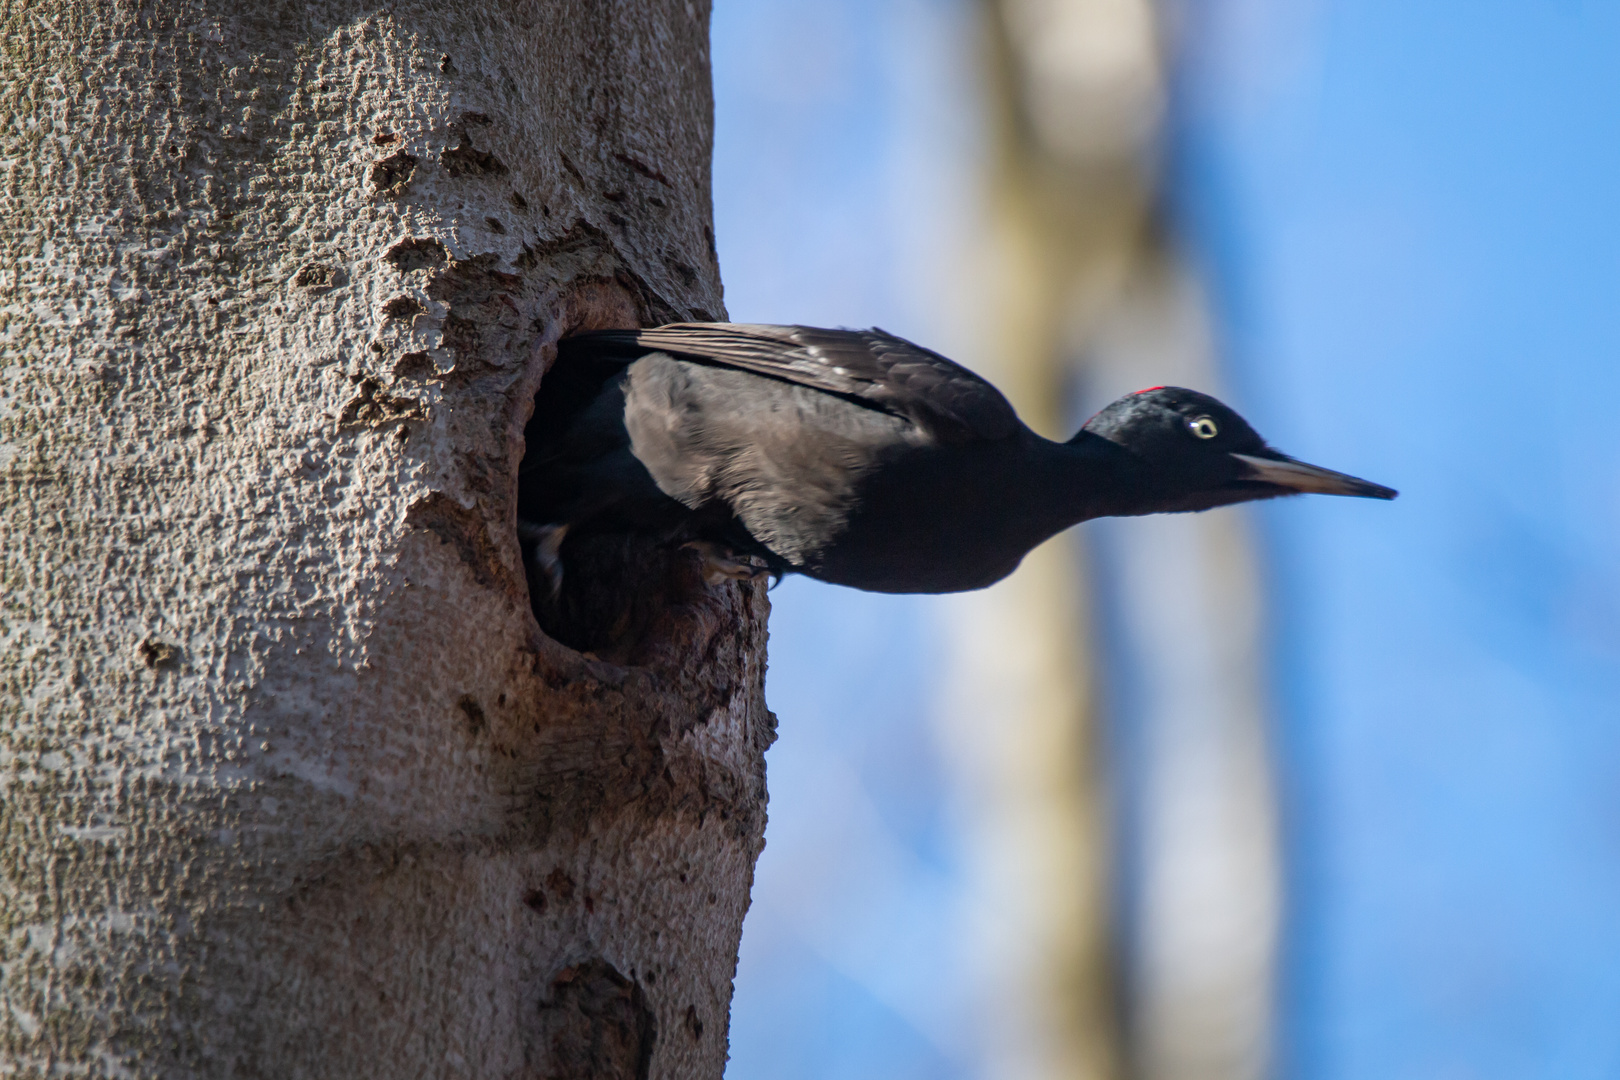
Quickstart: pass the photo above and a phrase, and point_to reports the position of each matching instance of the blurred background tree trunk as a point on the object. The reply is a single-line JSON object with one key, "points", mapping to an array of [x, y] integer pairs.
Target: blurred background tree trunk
{"points": [[292, 784], [1121, 804]]}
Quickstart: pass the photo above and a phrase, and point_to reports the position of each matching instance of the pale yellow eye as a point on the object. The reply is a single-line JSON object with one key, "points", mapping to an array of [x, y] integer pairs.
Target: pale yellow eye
{"points": [[1203, 427]]}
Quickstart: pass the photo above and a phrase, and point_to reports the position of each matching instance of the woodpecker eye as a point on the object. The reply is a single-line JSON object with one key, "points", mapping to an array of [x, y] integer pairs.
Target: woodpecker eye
{"points": [[1203, 427]]}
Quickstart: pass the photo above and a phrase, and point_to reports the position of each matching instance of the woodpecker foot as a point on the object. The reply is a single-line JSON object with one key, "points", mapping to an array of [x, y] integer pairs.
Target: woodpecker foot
{"points": [[547, 544], [721, 564]]}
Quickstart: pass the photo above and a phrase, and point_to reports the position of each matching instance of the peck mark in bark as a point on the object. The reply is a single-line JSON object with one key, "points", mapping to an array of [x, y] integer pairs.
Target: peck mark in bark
{"points": [[416, 253], [466, 160], [159, 654], [474, 714], [372, 406], [392, 175], [317, 277], [402, 307]]}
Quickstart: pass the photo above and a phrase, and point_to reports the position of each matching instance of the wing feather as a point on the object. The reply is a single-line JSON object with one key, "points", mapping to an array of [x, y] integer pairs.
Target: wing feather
{"points": [[873, 367]]}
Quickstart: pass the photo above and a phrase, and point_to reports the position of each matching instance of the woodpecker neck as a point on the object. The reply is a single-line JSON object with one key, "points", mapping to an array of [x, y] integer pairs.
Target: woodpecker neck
{"points": [[1098, 478], [1059, 484]]}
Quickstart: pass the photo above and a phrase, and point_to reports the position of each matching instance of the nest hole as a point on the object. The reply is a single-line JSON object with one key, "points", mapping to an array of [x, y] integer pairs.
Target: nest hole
{"points": [[617, 588]]}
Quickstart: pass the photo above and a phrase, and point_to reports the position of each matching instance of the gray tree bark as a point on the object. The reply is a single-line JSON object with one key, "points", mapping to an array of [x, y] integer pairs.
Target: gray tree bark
{"points": [[291, 782]]}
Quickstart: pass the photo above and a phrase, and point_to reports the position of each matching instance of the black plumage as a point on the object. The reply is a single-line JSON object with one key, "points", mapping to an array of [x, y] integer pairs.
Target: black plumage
{"points": [[856, 457]]}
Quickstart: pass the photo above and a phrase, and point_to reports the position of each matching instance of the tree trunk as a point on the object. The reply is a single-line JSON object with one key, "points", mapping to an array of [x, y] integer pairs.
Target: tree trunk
{"points": [[293, 784]]}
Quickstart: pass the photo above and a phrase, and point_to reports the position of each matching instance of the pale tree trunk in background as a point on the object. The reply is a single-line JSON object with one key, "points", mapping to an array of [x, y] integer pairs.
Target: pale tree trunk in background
{"points": [[1075, 93], [1184, 590], [292, 784], [1082, 280]]}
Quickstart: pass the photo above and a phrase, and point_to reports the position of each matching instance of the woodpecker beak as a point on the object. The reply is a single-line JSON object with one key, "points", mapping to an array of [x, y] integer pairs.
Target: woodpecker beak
{"points": [[1285, 472]]}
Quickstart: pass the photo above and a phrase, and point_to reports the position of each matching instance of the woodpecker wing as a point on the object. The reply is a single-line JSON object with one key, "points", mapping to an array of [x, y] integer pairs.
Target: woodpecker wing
{"points": [[871, 367]]}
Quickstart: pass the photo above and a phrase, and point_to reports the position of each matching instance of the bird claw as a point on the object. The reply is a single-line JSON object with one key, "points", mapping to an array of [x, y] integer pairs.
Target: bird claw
{"points": [[547, 541], [721, 564]]}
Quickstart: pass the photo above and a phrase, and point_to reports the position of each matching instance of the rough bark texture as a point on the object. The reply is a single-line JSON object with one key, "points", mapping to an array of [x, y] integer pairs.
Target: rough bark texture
{"points": [[292, 783]]}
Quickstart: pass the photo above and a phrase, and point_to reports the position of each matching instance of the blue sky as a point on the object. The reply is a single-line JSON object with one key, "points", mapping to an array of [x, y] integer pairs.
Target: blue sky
{"points": [[1407, 216], [1407, 212]]}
